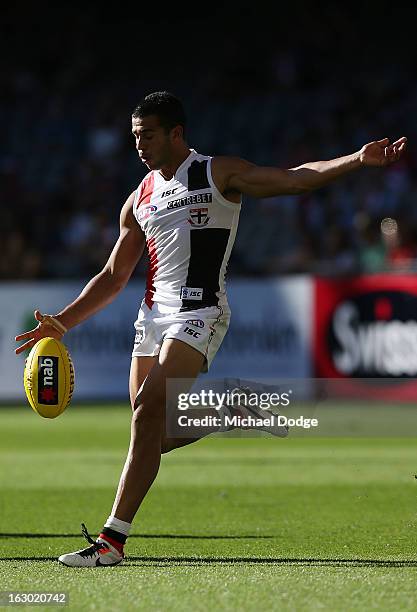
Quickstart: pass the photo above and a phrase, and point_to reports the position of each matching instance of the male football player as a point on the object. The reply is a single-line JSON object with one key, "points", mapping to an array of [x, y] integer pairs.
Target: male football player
{"points": [[185, 211]]}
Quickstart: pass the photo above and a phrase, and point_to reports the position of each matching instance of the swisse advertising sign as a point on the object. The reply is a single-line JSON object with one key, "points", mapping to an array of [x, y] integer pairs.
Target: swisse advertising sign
{"points": [[375, 335], [366, 328]]}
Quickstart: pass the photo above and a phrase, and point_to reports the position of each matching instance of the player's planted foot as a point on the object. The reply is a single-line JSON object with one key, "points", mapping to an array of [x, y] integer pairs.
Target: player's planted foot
{"points": [[100, 554]]}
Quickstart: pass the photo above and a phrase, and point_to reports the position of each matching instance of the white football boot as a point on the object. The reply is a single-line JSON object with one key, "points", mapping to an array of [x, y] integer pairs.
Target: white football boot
{"points": [[100, 554], [266, 414]]}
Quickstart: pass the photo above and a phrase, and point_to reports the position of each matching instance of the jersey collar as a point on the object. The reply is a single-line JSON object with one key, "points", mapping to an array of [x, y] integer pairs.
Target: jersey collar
{"points": [[180, 167], [184, 163]]}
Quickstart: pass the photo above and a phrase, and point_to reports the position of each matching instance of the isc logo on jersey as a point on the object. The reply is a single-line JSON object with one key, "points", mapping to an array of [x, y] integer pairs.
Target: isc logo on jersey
{"points": [[49, 378], [191, 293]]}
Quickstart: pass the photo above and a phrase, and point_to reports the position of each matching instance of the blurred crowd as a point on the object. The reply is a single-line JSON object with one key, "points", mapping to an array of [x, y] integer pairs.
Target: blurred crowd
{"points": [[68, 162]]}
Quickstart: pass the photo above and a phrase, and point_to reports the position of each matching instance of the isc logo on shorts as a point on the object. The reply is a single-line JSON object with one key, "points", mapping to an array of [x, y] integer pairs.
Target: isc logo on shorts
{"points": [[191, 332], [191, 293]]}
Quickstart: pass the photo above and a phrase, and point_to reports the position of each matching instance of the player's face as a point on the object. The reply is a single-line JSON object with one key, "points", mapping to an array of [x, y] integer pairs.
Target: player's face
{"points": [[153, 142]]}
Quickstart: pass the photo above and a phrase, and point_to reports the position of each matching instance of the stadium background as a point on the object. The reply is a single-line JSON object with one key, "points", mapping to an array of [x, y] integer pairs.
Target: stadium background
{"points": [[283, 88], [265, 90]]}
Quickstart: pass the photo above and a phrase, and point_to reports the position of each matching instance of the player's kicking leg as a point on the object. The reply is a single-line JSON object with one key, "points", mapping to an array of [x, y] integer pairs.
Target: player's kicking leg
{"points": [[176, 360], [148, 440]]}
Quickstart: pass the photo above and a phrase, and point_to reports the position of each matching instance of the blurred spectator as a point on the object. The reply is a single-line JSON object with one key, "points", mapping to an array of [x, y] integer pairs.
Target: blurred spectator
{"points": [[339, 255], [372, 249], [401, 245], [67, 160]]}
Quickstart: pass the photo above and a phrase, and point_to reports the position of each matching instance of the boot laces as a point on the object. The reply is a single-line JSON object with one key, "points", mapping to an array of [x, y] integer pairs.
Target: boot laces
{"points": [[95, 546]]}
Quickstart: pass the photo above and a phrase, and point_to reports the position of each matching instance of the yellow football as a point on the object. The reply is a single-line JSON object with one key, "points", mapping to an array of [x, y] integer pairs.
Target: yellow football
{"points": [[49, 377]]}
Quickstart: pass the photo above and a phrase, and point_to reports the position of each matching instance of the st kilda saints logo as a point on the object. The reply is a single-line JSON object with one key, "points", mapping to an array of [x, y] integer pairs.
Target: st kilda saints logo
{"points": [[198, 217], [48, 380]]}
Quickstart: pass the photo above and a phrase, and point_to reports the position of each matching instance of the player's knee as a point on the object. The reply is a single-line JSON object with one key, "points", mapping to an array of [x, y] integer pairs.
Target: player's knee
{"points": [[150, 398], [145, 425], [147, 413]]}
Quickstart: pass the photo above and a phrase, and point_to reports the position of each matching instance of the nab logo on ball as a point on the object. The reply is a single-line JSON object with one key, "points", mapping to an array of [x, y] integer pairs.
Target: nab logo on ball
{"points": [[48, 380]]}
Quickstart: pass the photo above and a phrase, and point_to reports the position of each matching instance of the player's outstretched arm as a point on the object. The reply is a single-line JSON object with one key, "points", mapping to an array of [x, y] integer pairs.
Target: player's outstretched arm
{"points": [[101, 289], [233, 174]]}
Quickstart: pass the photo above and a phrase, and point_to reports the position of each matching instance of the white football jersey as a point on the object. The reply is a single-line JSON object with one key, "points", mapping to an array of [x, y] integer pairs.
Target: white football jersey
{"points": [[190, 229]]}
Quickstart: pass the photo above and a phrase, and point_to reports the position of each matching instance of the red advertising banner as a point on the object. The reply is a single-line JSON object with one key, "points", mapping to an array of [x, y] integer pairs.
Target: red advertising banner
{"points": [[366, 328]]}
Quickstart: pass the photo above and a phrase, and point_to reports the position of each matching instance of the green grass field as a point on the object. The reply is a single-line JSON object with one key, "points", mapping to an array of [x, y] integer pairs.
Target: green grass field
{"points": [[230, 524]]}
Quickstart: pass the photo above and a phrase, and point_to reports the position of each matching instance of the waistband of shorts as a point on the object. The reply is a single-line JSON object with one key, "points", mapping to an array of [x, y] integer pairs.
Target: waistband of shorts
{"points": [[166, 309]]}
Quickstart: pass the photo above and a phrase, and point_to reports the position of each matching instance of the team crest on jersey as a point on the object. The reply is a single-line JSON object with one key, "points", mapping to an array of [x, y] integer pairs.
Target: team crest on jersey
{"points": [[198, 217], [146, 212]]}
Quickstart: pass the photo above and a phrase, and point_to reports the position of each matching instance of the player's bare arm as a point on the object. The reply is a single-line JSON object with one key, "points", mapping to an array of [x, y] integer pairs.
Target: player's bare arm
{"points": [[235, 176], [102, 289]]}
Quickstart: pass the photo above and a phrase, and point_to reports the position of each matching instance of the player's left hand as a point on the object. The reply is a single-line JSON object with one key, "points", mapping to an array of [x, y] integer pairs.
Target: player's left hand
{"points": [[42, 330], [381, 152]]}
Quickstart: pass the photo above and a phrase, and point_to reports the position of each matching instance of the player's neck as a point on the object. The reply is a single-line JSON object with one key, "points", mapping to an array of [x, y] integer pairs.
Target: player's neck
{"points": [[170, 169]]}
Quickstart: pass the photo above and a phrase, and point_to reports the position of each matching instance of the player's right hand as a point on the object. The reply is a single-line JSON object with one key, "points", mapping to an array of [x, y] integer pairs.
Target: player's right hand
{"points": [[42, 330]]}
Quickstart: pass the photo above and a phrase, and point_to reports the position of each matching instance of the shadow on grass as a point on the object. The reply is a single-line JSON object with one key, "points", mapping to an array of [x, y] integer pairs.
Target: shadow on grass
{"points": [[204, 561], [196, 561], [145, 535]]}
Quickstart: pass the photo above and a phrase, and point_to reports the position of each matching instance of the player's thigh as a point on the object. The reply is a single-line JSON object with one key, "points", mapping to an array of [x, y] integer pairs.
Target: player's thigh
{"points": [[176, 361], [179, 359], [139, 370]]}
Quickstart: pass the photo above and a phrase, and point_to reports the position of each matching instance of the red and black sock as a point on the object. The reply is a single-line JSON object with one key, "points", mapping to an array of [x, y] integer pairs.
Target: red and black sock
{"points": [[115, 538]]}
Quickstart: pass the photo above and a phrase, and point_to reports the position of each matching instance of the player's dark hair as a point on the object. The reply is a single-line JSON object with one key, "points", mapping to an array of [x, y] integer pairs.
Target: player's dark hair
{"points": [[167, 107]]}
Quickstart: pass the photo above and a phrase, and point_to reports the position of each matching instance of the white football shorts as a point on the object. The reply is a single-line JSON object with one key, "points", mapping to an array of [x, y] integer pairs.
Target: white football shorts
{"points": [[203, 329]]}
